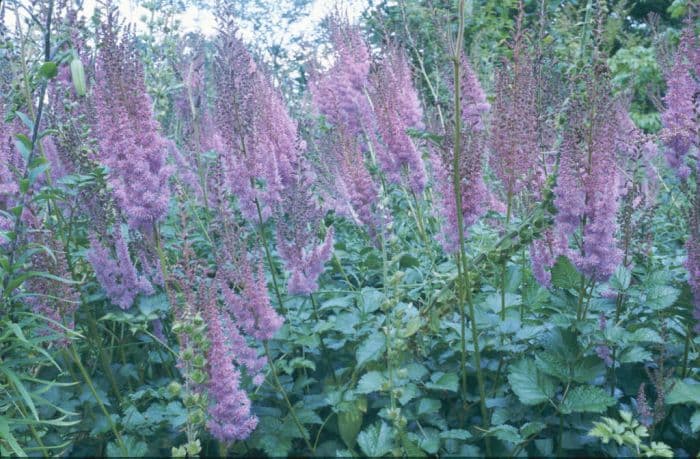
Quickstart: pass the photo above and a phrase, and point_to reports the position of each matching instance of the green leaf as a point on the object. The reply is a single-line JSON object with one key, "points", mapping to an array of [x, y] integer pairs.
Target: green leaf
{"points": [[134, 448], [661, 297], [531, 386], [532, 428], [371, 349], [428, 406], [456, 434], [505, 432], [370, 382], [565, 275], [695, 421], [587, 399], [443, 381], [375, 441], [19, 387], [620, 281], [684, 393], [48, 70], [153, 304], [7, 436]]}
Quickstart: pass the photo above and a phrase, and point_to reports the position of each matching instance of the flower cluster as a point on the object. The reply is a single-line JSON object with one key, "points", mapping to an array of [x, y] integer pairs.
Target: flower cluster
{"points": [[682, 102], [300, 220], [339, 94], [475, 197], [259, 137], [514, 137], [397, 108], [587, 191], [117, 276], [129, 142]]}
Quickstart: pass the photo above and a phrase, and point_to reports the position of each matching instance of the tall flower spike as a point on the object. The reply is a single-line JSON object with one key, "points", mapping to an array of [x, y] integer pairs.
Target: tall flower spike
{"points": [[296, 235], [339, 93], [514, 140], [259, 137], [474, 104], [397, 108], [475, 197], [230, 418], [682, 102], [587, 191], [130, 144], [118, 277]]}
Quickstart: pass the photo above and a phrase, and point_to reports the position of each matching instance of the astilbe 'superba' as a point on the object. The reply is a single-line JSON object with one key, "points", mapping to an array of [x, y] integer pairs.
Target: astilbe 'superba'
{"points": [[340, 93], [475, 196], [117, 276], [397, 108], [259, 137], [514, 138], [682, 104], [129, 142], [300, 219], [587, 191]]}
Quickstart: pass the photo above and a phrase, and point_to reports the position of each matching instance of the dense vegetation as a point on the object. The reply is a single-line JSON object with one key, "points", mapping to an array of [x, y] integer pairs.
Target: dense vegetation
{"points": [[448, 228]]}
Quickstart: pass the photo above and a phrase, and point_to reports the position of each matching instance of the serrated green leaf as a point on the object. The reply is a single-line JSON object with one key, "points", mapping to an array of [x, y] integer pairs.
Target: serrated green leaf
{"points": [[443, 381], [565, 275], [456, 434], [661, 297], [683, 392], [370, 382], [531, 386], [376, 440], [532, 428], [371, 349], [505, 432], [586, 399], [695, 421]]}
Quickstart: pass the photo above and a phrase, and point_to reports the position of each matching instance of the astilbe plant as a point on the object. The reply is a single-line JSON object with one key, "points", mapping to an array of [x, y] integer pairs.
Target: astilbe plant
{"points": [[259, 137], [515, 152], [340, 93], [681, 101], [476, 198], [117, 275], [130, 144], [300, 218], [397, 108], [587, 191]]}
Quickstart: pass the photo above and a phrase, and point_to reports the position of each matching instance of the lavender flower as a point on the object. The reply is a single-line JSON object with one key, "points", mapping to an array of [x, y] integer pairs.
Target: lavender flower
{"points": [[259, 137], [682, 100], [397, 108], [117, 276], [475, 197], [542, 254], [130, 144], [514, 137], [248, 301], [296, 234], [229, 413], [339, 94], [587, 190]]}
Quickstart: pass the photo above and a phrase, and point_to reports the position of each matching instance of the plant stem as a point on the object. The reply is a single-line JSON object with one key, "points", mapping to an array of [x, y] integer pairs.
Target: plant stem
{"points": [[282, 392], [504, 265], [88, 381], [268, 255], [463, 271]]}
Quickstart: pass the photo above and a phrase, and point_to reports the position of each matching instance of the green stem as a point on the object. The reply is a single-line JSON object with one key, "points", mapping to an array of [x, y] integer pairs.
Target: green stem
{"points": [[464, 271], [268, 255], [88, 381], [324, 350], [686, 348], [504, 265], [273, 371]]}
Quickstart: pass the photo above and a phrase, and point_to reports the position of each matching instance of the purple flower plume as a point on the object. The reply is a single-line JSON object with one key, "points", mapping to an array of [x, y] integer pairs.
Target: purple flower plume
{"points": [[682, 103], [397, 108], [117, 276], [129, 142]]}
